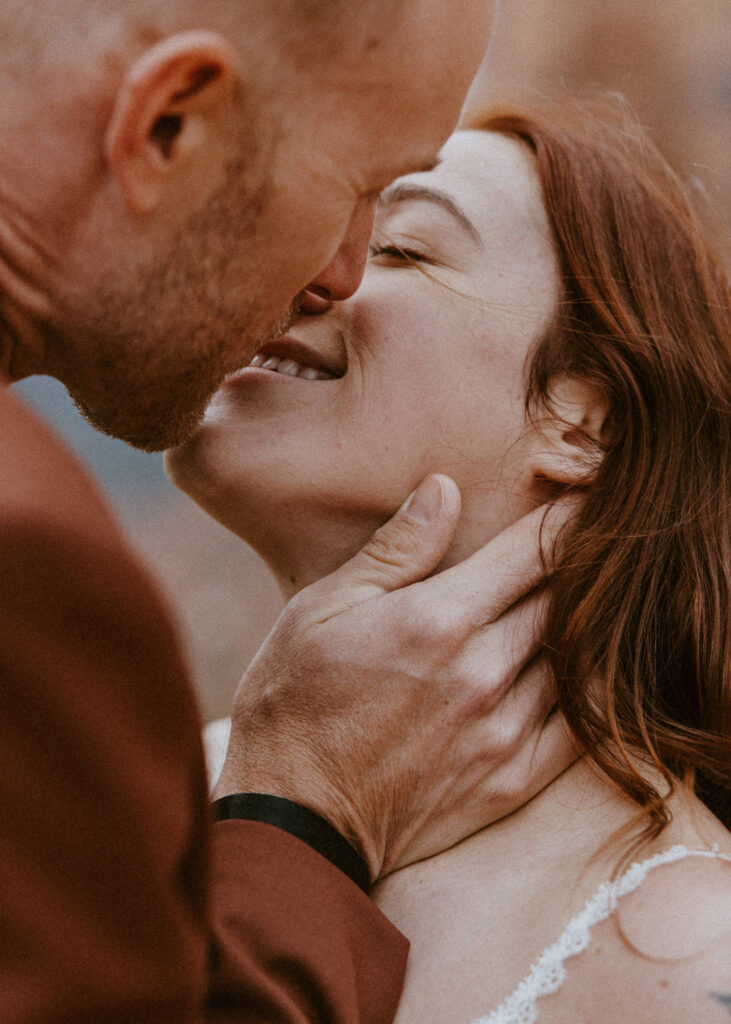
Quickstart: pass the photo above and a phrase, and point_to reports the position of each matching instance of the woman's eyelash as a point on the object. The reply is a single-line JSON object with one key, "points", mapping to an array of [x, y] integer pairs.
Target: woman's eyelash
{"points": [[410, 255]]}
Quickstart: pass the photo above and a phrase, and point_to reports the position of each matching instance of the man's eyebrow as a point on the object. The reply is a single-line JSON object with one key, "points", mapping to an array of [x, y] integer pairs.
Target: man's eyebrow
{"points": [[402, 193]]}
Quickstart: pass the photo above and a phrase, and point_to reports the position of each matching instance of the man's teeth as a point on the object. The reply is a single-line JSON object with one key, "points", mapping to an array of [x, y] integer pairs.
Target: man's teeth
{"points": [[289, 367]]}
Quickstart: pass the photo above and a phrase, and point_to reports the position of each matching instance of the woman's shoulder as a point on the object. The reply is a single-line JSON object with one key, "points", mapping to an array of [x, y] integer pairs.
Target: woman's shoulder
{"points": [[663, 953], [682, 905]]}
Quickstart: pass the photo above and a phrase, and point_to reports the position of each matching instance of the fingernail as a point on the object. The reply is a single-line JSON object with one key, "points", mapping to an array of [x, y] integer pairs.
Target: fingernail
{"points": [[426, 501]]}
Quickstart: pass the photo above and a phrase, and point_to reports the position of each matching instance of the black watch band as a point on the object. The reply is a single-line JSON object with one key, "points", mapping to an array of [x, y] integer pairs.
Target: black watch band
{"points": [[301, 822]]}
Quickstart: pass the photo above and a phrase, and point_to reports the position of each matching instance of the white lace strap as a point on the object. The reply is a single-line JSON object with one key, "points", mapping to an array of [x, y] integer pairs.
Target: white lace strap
{"points": [[548, 973]]}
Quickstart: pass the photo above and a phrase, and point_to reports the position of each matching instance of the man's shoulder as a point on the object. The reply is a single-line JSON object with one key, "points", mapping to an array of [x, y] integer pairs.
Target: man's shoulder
{"points": [[76, 603], [41, 478], [57, 529], [52, 514]]}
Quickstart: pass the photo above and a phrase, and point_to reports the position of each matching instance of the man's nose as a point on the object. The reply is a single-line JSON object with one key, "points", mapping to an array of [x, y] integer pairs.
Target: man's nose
{"points": [[341, 277]]}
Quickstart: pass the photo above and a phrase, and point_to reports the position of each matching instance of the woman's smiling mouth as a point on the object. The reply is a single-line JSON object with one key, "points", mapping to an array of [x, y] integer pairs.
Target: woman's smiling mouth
{"points": [[293, 358], [289, 367]]}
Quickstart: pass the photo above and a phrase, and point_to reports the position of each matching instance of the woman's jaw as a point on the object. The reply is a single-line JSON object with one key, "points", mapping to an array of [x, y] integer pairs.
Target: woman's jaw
{"points": [[307, 451]]}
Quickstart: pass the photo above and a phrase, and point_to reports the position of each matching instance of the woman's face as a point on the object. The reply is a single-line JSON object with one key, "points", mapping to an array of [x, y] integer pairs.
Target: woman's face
{"points": [[420, 371]]}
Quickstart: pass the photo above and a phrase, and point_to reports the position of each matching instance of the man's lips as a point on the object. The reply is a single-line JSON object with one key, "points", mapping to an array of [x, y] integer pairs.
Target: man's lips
{"points": [[294, 358]]}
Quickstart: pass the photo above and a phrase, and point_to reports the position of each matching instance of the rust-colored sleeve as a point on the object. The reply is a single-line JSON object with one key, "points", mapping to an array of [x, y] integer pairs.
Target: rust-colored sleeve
{"points": [[116, 907], [310, 958]]}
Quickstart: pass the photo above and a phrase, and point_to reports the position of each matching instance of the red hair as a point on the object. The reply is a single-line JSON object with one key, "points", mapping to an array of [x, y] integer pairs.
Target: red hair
{"points": [[640, 597]]}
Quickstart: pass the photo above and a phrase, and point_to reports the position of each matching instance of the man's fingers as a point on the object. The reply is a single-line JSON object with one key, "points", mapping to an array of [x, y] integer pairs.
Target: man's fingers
{"points": [[538, 741], [495, 655], [530, 700], [406, 549], [555, 751], [517, 633], [529, 709], [487, 583]]}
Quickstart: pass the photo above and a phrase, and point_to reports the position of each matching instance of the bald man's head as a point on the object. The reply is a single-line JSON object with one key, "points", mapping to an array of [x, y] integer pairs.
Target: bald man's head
{"points": [[175, 173], [62, 30]]}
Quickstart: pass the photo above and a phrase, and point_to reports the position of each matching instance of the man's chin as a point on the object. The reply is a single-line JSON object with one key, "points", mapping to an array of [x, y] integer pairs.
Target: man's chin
{"points": [[132, 412], [172, 436], [148, 430]]}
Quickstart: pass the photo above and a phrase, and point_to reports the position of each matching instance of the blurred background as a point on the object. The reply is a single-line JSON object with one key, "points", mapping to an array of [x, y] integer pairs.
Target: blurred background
{"points": [[670, 58]]}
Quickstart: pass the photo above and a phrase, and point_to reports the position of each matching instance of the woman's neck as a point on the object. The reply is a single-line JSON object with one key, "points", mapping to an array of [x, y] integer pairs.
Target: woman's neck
{"points": [[576, 831], [479, 914], [303, 543]]}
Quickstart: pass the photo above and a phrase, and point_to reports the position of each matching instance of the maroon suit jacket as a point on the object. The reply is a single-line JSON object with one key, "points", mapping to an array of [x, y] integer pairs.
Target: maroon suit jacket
{"points": [[119, 900]]}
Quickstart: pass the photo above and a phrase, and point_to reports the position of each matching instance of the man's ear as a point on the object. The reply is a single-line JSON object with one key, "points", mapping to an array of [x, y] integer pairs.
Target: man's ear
{"points": [[166, 111], [566, 447]]}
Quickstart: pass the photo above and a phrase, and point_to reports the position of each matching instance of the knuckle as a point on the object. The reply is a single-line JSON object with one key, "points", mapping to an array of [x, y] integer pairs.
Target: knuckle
{"points": [[387, 546], [296, 609], [492, 681], [440, 627], [511, 736], [502, 736], [483, 686], [509, 793], [481, 702]]}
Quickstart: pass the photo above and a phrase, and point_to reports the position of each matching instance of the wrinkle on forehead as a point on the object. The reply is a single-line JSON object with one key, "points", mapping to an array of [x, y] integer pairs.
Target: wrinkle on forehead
{"points": [[494, 178]]}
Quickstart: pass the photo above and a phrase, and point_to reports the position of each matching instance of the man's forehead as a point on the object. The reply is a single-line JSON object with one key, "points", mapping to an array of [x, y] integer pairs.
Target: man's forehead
{"points": [[392, 166], [334, 38]]}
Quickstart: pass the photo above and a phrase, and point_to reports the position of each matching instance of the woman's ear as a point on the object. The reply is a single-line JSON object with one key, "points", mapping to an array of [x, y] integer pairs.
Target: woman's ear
{"points": [[167, 111], [566, 445]]}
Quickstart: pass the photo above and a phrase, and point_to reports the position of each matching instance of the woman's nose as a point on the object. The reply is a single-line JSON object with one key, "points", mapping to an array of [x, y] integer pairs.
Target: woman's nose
{"points": [[341, 277]]}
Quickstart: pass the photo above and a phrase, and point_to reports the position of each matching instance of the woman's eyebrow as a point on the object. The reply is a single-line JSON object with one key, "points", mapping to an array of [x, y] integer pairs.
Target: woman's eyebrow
{"points": [[402, 193]]}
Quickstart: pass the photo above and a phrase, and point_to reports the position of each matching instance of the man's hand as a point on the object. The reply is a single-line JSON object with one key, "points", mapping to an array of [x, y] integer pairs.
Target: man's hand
{"points": [[407, 712]]}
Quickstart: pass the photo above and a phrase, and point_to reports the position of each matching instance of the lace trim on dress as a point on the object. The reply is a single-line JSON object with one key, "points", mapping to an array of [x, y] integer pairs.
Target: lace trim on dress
{"points": [[548, 973]]}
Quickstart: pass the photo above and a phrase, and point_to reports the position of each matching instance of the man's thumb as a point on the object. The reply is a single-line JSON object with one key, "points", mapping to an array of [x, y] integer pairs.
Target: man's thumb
{"points": [[406, 549]]}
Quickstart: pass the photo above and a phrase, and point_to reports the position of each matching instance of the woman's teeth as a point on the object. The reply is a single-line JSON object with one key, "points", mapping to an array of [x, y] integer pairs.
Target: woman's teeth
{"points": [[289, 367]]}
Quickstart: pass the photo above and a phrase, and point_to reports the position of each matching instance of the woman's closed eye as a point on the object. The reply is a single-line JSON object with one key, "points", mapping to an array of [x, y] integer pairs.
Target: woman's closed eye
{"points": [[398, 252]]}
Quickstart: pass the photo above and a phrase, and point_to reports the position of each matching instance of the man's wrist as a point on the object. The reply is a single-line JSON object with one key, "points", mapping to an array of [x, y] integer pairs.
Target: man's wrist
{"points": [[298, 821]]}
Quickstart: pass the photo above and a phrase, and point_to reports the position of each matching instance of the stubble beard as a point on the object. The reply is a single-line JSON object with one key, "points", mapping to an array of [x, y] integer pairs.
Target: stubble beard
{"points": [[154, 408], [153, 350]]}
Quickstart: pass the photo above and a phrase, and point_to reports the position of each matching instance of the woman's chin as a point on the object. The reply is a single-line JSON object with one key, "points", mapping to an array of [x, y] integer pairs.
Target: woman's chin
{"points": [[300, 543], [185, 468]]}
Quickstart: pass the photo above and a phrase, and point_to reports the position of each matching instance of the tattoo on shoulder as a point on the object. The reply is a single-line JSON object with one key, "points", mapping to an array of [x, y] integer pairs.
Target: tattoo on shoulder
{"points": [[724, 998]]}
